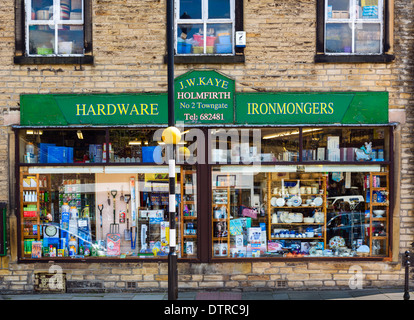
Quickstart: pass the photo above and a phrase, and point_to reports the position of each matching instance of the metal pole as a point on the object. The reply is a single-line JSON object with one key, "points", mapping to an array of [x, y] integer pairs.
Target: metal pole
{"points": [[172, 255], [407, 275]]}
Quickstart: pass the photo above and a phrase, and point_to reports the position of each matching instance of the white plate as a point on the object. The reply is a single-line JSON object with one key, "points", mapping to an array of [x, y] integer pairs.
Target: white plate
{"points": [[273, 201], [284, 217], [297, 201], [280, 202], [318, 201]]}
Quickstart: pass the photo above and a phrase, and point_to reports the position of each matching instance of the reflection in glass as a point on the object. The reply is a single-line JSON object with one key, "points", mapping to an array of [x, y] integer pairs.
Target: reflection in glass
{"points": [[41, 40], [368, 38], [338, 38], [70, 39], [338, 9], [42, 9], [190, 9], [219, 9]]}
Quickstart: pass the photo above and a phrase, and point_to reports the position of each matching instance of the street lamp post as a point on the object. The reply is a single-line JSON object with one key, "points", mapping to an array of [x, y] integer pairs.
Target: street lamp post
{"points": [[172, 255]]}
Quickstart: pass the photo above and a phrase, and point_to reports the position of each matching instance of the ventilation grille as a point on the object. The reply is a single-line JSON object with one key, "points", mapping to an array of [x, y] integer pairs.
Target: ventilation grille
{"points": [[131, 285], [281, 284]]}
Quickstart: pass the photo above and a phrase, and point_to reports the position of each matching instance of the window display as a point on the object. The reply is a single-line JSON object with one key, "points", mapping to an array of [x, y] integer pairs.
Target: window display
{"points": [[54, 27], [318, 212], [353, 26], [205, 27], [274, 193], [113, 212]]}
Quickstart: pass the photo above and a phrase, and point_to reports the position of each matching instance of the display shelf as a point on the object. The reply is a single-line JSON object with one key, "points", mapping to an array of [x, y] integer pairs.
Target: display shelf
{"points": [[33, 186], [300, 189], [221, 226], [188, 213], [378, 186]]}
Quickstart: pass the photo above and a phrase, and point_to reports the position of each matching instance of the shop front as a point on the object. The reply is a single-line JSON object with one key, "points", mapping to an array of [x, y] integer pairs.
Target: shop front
{"points": [[260, 176]]}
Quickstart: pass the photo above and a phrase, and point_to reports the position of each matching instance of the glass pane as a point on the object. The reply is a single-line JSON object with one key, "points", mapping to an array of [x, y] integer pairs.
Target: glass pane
{"points": [[41, 40], [132, 145], [338, 9], [338, 37], [368, 38], [219, 38], [278, 212], [368, 9], [42, 9], [65, 146], [235, 146], [188, 213], [190, 38], [346, 144], [70, 39], [120, 214], [190, 9], [219, 9], [280, 144]]}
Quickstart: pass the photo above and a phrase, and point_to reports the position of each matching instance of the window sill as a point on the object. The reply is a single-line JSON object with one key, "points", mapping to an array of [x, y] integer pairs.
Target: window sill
{"points": [[53, 60], [207, 59], [383, 58]]}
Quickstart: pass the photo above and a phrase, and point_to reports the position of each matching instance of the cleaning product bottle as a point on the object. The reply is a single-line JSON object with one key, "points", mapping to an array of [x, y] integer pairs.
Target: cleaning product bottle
{"points": [[72, 246]]}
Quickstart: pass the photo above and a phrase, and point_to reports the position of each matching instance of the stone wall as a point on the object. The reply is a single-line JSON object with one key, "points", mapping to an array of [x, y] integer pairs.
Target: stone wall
{"points": [[129, 47]]}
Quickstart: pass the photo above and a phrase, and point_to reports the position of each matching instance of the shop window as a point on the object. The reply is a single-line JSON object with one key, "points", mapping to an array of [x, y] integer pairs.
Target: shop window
{"points": [[113, 212], [346, 144], [315, 212], [53, 31], [62, 146], [206, 29], [348, 30], [254, 145]]}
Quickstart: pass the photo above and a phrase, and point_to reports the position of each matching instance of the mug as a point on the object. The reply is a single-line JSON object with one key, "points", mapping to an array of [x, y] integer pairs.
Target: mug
{"points": [[302, 190], [308, 190], [314, 190]]}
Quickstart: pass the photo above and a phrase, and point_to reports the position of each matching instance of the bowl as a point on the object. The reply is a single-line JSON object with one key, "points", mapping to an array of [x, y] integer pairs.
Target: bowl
{"points": [[379, 213], [309, 220]]}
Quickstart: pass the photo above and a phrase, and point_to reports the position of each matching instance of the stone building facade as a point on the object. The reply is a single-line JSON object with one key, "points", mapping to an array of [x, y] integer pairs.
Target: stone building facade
{"points": [[129, 47]]}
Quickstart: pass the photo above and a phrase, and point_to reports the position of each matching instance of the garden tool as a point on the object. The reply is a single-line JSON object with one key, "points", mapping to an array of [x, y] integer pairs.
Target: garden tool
{"points": [[127, 232], [100, 208], [114, 227]]}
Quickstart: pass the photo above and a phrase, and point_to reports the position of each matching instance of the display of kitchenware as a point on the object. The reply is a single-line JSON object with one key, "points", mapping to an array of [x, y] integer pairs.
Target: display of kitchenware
{"points": [[318, 201], [280, 202], [319, 217], [296, 201], [295, 217], [284, 217], [336, 242], [379, 213]]}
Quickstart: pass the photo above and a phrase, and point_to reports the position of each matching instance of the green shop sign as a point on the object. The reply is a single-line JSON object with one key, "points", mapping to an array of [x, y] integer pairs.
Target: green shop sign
{"points": [[312, 108], [205, 97], [93, 109]]}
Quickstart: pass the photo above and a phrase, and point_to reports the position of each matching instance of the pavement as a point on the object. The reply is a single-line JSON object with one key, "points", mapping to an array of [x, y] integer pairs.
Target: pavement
{"points": [[356, 294]]}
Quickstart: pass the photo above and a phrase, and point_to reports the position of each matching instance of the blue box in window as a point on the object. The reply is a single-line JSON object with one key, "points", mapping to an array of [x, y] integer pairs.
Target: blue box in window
{"points": [[59, 154], [183, 47], [223, 48], [224, 39], [43, 151], [152, 154]]}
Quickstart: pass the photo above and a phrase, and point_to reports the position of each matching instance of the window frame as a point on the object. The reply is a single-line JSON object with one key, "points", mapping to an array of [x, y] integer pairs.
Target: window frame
{"points": [[21, 56], [238, 52], [386, 54]]}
